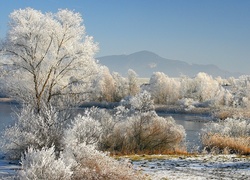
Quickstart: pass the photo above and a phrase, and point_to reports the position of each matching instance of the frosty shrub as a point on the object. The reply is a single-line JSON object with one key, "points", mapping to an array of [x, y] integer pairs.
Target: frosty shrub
{"points": [[140, 130], [153, 134], [240, 89], [121, 86], [230, 133], [89, 163], [164, 90], [229, 127], [107, 122], [32, 129], [42, 164], [133, 85], [84, 129], [205, 87], [142, 102], [113, 87], [78, 158], [187, 103], [104, 86], [147, 133]]}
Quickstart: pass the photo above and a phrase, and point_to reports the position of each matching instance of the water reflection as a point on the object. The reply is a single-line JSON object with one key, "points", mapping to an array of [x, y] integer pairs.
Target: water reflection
{"points": [[193, 125], [6, 114]]}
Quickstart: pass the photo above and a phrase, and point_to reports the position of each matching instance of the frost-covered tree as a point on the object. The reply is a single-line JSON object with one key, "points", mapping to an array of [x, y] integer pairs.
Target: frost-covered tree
{"points": [[241, 90], [142, 102], [205, 87], [113, 87], [164, 89], [121, 86], [49, 57], [133, 86], [104, 86], [187, 87]]}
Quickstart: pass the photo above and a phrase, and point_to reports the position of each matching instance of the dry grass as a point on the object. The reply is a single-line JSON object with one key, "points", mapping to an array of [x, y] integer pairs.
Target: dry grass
{"points": [[240, 145], [136, 157], [181, 110], [145, 153], [6, 100], [145, 134], [224, 113]]}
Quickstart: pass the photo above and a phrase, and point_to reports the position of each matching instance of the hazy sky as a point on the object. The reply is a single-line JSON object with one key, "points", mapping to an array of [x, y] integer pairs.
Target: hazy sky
{"points": [[196, 31]]}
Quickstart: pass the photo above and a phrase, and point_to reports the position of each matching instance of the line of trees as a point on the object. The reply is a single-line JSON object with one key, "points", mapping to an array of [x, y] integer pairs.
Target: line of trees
{"points": [[200, 91]]}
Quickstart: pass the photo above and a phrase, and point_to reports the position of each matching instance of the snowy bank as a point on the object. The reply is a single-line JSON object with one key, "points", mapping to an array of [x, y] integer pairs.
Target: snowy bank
{"points": [[196, 167]]}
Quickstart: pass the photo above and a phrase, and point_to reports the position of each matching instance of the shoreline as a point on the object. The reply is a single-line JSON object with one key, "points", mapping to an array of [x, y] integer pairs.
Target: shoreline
{"points": [[8, 100], [159, 108]]}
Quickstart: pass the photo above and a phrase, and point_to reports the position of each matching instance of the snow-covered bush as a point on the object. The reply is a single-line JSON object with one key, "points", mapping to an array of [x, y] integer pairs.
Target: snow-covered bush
{"points": [[240, 89], [78, 157], [146, 133], [34, 129], [43, 164], [139, 129], [113, 87], [205, 87], [164, 90], [186, 103], [187, 89], [142, 102], [232, 134], [104, 86], [77, 161], [223, 98], [229, 127], [107, 122], [121, 87], [93, 164], [133, 85], [150, 133], [84, 129]]}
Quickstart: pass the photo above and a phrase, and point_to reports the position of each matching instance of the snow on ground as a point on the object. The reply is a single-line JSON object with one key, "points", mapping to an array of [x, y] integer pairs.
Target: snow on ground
{"points": [[197, 167], [223, 167]]}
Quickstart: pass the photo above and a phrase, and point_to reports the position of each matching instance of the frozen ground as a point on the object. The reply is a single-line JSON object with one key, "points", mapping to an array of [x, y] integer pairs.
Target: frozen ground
{"points": [[197, 167]]}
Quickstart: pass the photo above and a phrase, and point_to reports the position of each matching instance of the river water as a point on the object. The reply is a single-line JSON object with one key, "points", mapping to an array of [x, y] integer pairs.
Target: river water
{"points": [[6, 114], [191, 123]]}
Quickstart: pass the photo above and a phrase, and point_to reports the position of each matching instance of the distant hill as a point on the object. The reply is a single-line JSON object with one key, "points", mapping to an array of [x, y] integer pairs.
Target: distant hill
{"points": [[145, 63]]}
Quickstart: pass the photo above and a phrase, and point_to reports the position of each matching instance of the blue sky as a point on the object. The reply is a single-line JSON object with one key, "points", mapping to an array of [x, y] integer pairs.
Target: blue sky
{"points": [[195, 31]]}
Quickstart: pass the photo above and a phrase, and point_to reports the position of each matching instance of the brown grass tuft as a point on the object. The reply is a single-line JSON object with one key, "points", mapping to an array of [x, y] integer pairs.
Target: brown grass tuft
{"points": [[240, 145], [224, 113]]}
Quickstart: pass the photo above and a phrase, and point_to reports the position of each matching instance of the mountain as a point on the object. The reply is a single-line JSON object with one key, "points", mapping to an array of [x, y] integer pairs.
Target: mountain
{"points": [[145, 63]]}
